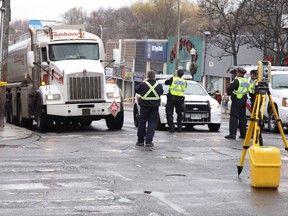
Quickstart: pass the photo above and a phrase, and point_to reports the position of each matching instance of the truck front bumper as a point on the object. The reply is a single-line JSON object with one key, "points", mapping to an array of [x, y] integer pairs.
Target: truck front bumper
{"points": [[87, 109]]}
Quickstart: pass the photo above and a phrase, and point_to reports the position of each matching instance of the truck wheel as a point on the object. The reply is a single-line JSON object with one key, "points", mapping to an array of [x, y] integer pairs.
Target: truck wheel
{"points": [[8, 112], [43, 122], [115, 123], [214, 127], [136, 116], [23, 122], [272, 124]]}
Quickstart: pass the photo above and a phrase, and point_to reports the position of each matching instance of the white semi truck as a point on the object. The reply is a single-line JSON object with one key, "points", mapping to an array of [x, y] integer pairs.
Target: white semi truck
{"points": [[57, 76]]}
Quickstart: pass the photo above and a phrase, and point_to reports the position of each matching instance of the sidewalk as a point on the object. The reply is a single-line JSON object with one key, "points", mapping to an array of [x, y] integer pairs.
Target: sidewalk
{"points": [[12, 132]]}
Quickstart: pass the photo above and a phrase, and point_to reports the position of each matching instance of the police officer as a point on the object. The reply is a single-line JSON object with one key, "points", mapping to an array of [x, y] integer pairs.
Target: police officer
{"points": [[175, 99], [150, 92], [238, 90]]}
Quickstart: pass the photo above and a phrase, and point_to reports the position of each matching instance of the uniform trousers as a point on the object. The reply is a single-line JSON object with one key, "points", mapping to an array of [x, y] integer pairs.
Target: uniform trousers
{"points": [[238, 112], [148, 115], [178, 103]]}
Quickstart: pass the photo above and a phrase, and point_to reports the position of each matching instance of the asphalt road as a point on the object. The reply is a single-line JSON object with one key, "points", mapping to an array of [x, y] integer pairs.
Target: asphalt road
{"points": [[93, 171]]}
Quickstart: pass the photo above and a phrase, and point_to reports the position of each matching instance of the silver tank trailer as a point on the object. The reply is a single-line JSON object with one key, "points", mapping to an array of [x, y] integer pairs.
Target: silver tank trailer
{"points": [[17, 61]]}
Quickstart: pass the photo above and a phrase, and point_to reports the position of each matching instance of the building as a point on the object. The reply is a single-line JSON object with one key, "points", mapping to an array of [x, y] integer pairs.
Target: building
{"points": [[141, 55]]}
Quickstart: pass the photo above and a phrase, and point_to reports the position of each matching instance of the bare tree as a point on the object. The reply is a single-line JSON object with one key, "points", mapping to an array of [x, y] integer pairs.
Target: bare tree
{"points": [[17, 28], [114, 24], [127, 23], [154, 19], [228, 21], [269, 34], [158, 18], [99, 22], [75, 16]]}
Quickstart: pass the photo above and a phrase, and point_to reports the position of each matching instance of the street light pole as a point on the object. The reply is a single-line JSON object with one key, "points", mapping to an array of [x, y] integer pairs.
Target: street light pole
{"points": [[178, 37], [207, 78]]}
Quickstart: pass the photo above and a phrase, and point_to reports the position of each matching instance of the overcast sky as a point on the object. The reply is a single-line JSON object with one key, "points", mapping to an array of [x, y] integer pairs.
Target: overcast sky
{"points": [[51, 9]]}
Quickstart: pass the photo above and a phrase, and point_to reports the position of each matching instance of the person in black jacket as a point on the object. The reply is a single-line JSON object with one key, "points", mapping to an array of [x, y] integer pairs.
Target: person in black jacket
{"points": [[149, 101], [238, 90]]}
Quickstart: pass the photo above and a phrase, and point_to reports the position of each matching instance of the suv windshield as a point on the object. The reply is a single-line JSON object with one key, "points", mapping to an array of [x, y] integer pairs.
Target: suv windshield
{"points": [[192, 89], [69, 51], [279, 81]]}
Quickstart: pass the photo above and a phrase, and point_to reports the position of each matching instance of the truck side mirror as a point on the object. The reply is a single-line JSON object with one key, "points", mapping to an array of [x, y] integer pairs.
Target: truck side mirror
{"points": [[116, 56], [30, 59]]}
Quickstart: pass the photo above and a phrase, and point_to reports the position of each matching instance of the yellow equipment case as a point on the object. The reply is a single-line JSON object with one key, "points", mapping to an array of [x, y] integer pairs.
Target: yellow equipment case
{"points": [[265, 164]]}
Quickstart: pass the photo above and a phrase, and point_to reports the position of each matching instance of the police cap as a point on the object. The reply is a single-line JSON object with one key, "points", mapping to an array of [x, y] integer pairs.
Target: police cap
{"points": [[241, 70], [180, 72]]}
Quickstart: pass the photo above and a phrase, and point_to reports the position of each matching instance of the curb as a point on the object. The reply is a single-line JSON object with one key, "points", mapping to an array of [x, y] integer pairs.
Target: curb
{"points": [[12, 132]]}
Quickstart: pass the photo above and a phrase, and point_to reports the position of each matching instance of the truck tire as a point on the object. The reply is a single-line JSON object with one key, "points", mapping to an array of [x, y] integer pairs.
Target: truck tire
{"points": [[115, 123], [23, 122], [43, 122], [11, 118], [272, 124], [8, 112], [214, 127]]}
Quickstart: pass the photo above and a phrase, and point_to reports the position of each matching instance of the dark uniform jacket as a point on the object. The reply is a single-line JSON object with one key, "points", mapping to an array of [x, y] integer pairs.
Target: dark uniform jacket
{"points": [[142, 88], [234, 86]]}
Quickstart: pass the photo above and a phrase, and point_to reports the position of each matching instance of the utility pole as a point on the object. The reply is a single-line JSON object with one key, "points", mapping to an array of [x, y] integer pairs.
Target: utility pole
{"points": [[4, 31], [178, 37]]}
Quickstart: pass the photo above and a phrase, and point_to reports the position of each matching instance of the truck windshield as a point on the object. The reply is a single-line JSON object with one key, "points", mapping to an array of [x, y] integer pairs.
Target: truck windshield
{"points": [[68, 51]]}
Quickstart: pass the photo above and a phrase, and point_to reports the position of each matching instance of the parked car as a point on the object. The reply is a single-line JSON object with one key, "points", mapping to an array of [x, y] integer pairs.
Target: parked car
{"points": [[200, 108]]}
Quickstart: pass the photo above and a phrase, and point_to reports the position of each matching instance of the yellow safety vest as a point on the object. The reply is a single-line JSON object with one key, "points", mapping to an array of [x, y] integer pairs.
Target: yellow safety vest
{"points": [[243, 87], [252, 86], [178, 86], [152, 89]]}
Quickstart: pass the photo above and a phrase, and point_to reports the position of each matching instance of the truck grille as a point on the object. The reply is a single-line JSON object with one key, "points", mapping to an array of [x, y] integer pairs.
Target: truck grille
{"points": [[197, 112], [85, 88]]}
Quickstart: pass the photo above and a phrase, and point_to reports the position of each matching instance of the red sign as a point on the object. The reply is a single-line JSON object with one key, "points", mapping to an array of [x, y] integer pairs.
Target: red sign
{"points": [[114, 108]]}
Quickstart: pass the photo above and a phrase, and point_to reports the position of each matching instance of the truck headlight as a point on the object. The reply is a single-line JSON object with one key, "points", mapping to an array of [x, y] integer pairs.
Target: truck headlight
{"points": [[285, 102], [53, 97], [112, 95]]}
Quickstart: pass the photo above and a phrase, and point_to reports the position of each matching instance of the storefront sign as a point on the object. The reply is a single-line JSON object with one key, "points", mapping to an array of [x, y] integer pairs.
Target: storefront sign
{"points": [[156, 51]]}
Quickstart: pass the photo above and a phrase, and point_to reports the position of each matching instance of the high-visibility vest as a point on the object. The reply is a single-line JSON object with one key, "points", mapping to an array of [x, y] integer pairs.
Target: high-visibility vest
{"points": [[252, 86], [151, 89], [178, 86], [243, 87]]}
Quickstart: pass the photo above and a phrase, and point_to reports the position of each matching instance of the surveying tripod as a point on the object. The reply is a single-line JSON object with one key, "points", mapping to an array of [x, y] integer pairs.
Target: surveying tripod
{"points": [[256, 119]]}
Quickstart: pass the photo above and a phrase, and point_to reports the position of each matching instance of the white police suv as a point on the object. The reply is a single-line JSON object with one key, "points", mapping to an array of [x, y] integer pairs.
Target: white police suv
{"points": [[200, 108]]}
